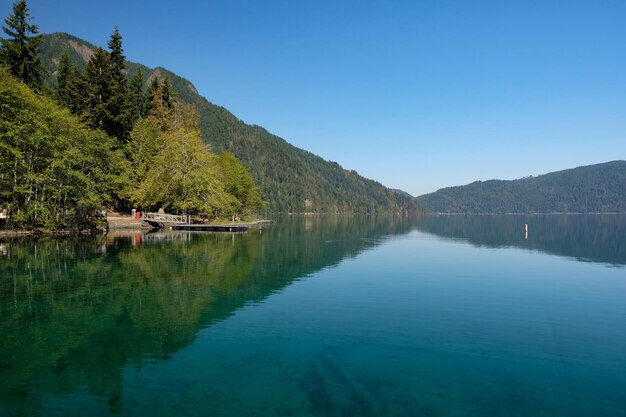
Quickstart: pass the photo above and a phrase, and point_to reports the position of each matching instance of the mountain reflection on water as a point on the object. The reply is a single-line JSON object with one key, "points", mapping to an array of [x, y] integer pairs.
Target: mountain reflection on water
{"points": [[74, 311], [587, 238], [82, 317]]}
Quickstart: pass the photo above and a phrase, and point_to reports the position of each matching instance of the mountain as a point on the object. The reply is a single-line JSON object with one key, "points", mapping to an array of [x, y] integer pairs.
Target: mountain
{"points": [[292, 179], [599, 188]]}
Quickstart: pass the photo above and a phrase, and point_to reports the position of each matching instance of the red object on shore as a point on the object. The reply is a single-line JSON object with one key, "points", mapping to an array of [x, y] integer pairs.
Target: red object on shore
{"points": [[138, 215]]}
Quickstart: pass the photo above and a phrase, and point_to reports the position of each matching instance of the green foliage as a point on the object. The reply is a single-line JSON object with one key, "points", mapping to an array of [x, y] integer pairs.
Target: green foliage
{"points": [[64, 75], [183, 178], [136, 98], [145, 143], [19, 52], [54, 172], [597, 188], [159, 103], [239, 183]]}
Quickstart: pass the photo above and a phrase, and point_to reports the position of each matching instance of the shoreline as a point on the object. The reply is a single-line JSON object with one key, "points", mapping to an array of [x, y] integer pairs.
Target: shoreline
{"points": [[132, 225], [28, 233], [126, 225]]}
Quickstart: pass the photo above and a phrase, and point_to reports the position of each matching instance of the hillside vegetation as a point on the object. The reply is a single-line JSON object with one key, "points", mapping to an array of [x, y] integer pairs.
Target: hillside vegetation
{"points": [[599, 188], [291, 179], [93, 138]]}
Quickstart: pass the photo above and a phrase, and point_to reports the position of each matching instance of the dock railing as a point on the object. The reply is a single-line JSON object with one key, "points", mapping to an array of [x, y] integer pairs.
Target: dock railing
{"points": [[165, 218]]}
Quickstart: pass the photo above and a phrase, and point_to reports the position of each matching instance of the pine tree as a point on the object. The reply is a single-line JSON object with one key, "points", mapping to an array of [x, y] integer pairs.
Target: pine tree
{"points": [[98, 91], [166, 94], [20, 51], [109, 107], [136, 98], [154, 84], [71, 86], [118, 60], [119, 105], [64, 74], [160, 103], [77, 100]]}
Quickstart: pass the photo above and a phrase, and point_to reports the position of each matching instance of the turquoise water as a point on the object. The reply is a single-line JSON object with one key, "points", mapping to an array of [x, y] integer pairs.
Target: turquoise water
{"points": [[437, 316]]}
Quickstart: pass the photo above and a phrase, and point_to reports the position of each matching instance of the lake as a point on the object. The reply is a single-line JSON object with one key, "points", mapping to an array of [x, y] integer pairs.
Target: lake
{"points": [[433, 316]]}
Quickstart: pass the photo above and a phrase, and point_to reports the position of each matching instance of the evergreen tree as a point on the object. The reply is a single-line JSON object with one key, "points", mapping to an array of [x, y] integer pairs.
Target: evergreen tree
{"points": [[166, 94], [136, 98], [20, 51], [76, 86], [98, 91], [118, 104], [108, 105], [159, 94], [70, 87], [118, 60], [152, 87], [64, 74], [161, 103]]}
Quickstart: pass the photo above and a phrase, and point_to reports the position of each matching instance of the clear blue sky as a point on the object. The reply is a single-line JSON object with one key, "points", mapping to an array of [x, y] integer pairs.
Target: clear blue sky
{"points": [[415, 94]]}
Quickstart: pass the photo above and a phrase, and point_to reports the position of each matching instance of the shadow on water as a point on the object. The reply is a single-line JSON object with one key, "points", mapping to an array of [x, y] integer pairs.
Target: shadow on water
{"points": [[75, 311], [587, 238]]}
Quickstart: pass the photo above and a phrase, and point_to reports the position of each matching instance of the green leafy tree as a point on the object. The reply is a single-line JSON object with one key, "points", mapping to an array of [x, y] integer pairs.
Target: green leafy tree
{"points": [[55, 173], [174, 170], [240, 184], [146, 141], [184, 178], [19, 52]]}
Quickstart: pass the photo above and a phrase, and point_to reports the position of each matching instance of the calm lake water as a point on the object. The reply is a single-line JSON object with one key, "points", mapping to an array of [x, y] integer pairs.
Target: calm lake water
{"points": [[436, 316]]}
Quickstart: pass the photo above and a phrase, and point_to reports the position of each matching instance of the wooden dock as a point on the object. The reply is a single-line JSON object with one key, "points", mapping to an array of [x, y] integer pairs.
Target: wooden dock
{"points": [[174, 222], [211, 227]]}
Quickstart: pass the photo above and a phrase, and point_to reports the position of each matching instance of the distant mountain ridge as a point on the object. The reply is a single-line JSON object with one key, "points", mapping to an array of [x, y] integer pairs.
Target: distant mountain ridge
{"points": [[292, 179], [599, 188]]}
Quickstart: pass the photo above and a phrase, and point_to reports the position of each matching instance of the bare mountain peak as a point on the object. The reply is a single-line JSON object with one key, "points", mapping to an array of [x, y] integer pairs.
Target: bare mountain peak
{"points": [[83, 50]]}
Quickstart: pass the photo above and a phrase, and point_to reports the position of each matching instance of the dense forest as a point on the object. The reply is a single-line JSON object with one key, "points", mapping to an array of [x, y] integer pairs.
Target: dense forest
{"points": [[291, 179], [80, 139], [599, 188]]}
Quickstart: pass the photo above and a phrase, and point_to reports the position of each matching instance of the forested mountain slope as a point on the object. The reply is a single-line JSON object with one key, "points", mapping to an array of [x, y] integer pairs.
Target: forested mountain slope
{"points": [[599, 188], [292, 179]]}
